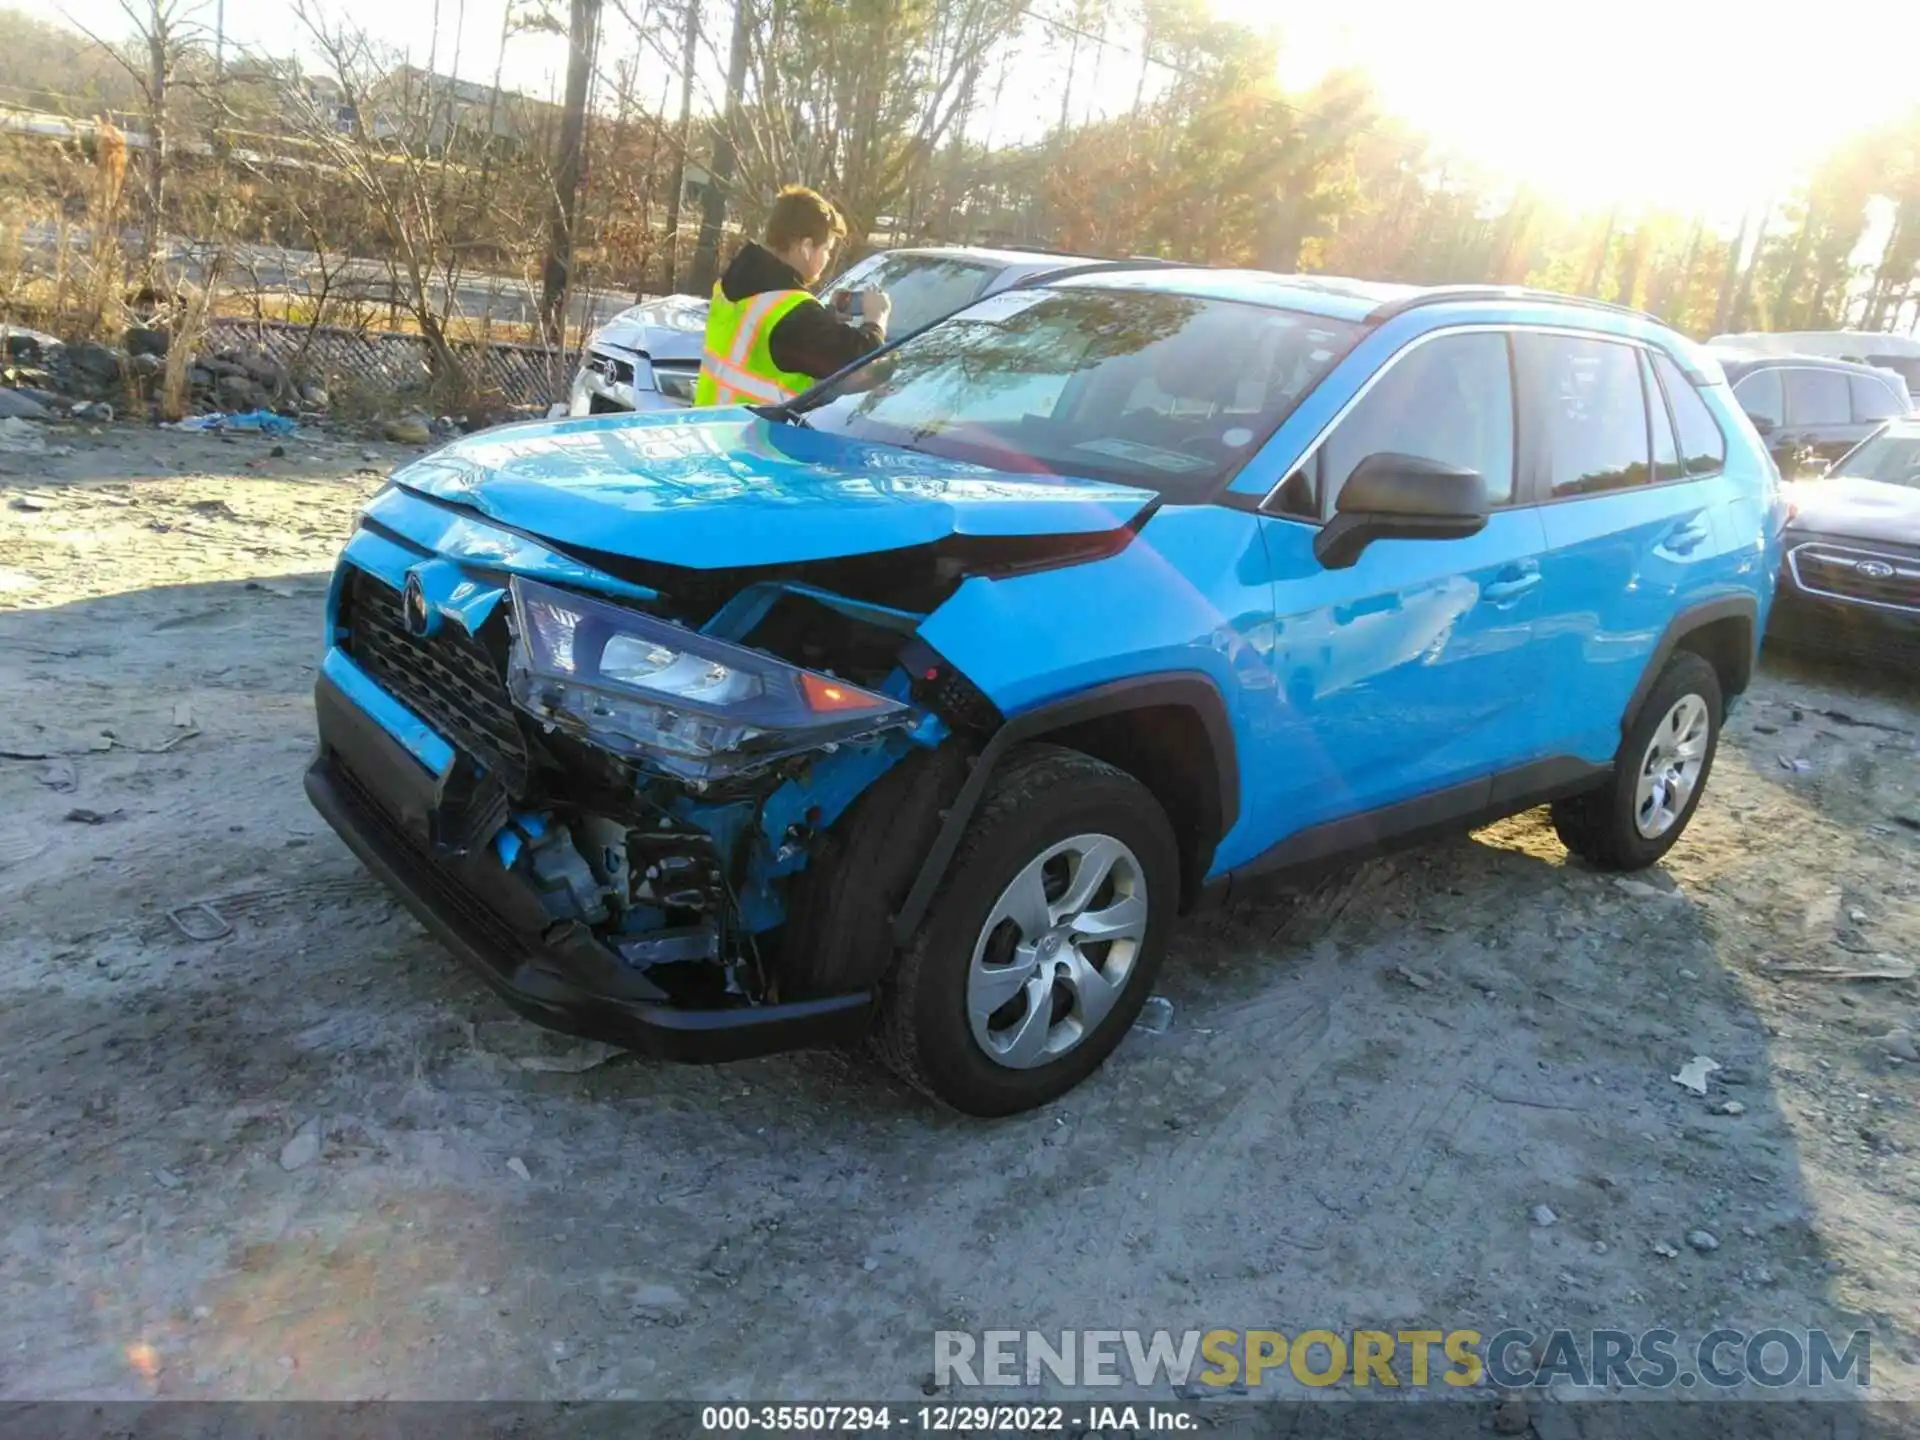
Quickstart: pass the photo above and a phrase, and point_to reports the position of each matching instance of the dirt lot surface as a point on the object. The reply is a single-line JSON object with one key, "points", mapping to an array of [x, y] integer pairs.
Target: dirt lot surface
{"points": [[313, 1157]]}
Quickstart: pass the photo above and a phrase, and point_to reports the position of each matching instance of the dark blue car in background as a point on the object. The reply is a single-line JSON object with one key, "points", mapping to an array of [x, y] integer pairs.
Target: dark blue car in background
{"points": [[916, 710]]}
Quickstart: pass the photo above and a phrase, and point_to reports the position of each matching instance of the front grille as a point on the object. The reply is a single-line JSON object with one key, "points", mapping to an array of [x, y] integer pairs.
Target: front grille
{"points": [[447, 678], [1865, 577]]}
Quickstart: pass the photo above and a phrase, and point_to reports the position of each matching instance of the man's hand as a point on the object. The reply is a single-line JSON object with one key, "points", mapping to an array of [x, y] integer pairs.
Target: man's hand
{"points": [[875, 309]]}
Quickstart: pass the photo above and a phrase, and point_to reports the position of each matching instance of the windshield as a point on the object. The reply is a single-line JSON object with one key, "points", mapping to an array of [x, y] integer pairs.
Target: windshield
{"points": [[1171, 392], [1892, 456], [922, 287]]}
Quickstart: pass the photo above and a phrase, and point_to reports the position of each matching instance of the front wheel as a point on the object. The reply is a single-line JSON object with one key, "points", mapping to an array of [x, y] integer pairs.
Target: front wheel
{"points": [[1659, 773], [1044, 941]]}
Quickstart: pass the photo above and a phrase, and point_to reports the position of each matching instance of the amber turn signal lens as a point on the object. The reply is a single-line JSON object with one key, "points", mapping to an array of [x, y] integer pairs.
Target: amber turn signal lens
{"points": [[826, 695]]}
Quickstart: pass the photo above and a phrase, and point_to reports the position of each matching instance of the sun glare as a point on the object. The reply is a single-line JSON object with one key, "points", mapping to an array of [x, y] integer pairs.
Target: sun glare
{"points": [[1678, 103]]}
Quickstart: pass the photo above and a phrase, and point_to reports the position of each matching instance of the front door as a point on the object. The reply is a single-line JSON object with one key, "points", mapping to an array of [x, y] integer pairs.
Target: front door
{"points": [[1403, 676]]}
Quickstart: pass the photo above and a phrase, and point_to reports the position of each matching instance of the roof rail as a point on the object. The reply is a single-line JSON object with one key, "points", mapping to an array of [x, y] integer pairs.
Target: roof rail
{"points": [[1025, 249], [1444, 294], [1104, 267]]}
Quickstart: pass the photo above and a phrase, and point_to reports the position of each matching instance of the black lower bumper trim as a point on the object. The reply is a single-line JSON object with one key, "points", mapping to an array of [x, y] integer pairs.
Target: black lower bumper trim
{"points": [[573, 984]]}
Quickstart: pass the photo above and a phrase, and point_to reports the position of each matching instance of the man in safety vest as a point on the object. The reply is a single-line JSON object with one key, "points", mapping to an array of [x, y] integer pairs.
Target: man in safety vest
{"points": [[767, 337]]}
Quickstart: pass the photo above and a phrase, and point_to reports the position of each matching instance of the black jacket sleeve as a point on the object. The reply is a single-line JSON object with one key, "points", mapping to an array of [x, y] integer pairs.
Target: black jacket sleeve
{"points": [[809, 340]]}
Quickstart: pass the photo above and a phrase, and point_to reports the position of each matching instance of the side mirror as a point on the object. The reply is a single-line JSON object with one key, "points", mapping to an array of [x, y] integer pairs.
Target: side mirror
{"points": [[1761, 424], [1391, 496]]}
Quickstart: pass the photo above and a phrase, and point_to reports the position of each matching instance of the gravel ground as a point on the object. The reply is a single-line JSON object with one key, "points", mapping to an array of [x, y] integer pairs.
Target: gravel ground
{"points": [[314, 1158]]}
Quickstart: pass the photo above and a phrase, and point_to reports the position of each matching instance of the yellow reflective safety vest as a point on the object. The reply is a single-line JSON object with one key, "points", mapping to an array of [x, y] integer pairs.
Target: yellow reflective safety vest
{"points": [[737, 367]]}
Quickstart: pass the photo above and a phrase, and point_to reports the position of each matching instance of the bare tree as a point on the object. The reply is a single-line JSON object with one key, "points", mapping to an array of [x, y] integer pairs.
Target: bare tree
{"points": [[398, 141], [583, 34], [689, 57], [166, 34], [713, 214]]}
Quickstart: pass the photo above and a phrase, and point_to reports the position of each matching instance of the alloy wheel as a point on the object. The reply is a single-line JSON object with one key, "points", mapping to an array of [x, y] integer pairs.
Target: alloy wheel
{"points": [[1670, 770], [1056, 951]]}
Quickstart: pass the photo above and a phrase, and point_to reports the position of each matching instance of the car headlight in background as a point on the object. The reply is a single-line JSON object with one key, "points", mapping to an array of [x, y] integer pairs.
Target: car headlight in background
{"points": [[687, 703], [675, 384]]}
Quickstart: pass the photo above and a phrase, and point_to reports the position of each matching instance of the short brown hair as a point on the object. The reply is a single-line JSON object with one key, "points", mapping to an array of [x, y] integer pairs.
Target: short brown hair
{"points": [[802, 214]]}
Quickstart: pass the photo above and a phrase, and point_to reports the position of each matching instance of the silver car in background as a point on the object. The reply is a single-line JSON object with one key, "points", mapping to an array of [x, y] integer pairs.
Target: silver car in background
{"points": [[648, 358]]}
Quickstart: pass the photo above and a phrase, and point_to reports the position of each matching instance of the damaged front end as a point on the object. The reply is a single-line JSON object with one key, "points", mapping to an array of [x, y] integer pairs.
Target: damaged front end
{"points": [[622, 809], [692, 774]]}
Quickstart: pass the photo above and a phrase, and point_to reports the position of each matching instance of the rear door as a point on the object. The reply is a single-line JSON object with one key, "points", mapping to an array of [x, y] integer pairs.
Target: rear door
{"points": [[1628, 503]]}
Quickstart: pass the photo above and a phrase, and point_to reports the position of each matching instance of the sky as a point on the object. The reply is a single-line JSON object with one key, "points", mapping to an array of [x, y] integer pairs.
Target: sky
{"points": [[1679, 102], [1698, 104]]}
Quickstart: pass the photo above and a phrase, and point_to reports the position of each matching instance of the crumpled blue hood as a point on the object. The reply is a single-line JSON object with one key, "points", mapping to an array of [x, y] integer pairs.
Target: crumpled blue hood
{"points": [[711, 489]]}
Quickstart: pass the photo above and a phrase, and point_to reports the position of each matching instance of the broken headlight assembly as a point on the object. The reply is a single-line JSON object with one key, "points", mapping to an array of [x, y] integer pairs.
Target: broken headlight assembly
{"points": [[685, 703]]}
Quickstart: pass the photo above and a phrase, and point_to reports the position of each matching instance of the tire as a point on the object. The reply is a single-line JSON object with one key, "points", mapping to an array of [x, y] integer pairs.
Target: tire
{"points": [[1048, 815], [1608, 827], [839, 930]]}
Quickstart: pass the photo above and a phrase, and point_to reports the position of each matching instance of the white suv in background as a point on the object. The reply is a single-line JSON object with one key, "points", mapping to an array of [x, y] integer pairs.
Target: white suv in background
{"points": [[647, 358]]}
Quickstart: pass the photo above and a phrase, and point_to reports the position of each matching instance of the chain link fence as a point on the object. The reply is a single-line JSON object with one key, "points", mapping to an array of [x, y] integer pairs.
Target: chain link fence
{"points": [[521, 375]]}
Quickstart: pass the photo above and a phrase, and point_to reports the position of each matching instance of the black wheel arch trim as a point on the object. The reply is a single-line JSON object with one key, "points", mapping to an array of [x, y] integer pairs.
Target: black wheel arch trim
{"points": [[1188, 690], [1694, 617]]}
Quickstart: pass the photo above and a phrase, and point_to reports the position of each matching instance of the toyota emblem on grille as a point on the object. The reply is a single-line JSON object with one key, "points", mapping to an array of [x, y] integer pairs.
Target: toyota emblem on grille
{"points": [[419, 615], [1874, 569]]}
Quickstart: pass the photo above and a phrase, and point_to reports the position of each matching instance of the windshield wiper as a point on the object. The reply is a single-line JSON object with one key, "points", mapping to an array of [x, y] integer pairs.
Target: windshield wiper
{"points": [[783, 415]]}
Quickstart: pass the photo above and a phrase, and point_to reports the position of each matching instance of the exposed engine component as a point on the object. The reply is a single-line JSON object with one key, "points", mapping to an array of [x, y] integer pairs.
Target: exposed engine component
{"points": [[567, 886], [675, 870]]}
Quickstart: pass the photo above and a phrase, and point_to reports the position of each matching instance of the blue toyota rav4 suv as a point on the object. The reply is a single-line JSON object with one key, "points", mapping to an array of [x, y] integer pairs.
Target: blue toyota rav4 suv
{"points": [[918, 708]]}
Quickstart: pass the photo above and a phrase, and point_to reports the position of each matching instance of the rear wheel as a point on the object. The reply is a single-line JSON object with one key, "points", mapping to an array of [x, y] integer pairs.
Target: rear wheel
{"points": [[1043, 943], [1659, 773]]}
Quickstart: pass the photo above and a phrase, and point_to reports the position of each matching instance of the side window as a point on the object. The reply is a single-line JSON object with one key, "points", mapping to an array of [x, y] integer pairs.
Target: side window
{"points": [[1448, 399], [1703, 448], [1759, 395], [1666, 451], [1872, 400], [1588, 406], [1819, 397]]}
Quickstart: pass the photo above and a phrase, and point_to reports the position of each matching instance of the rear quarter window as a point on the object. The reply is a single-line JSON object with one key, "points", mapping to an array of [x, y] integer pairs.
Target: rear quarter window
{"points": [[1703, 446]]}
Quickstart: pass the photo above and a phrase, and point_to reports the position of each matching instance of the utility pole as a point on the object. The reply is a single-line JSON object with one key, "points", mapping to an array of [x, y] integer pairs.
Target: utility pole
{"points": [[688, 57], [582, 33], [706, 253]]}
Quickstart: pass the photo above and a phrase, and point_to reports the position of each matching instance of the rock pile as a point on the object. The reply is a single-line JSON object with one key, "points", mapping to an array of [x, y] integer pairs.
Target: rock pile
{"points": [[46, 370]]}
